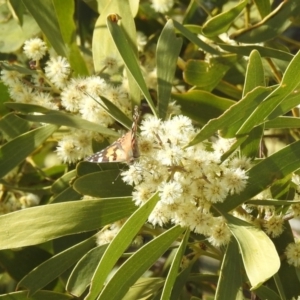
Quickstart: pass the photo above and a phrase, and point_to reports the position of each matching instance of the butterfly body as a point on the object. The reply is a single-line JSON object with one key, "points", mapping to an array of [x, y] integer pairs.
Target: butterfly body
{"points": [[124, 150]]}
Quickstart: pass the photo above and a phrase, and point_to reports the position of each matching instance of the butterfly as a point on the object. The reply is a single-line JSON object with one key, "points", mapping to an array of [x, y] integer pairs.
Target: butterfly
{"points": [[124, 150]]}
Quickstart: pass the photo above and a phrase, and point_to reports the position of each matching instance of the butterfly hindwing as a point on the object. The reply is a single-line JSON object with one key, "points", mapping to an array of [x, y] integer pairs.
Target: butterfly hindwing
{"points": [[125, 149]]}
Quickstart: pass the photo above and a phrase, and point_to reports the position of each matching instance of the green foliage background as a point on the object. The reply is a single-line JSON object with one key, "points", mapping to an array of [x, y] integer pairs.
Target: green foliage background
{"points": [[245, 89]]}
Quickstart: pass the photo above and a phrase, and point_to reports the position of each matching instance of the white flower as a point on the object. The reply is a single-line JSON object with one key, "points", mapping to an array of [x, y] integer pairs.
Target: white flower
{"points": [[74, 146], [170, 192], [133, 175], [292, 253], [111, 64], [216, 191], [151, 127], [142, 193], [274, 226], [10, 78], [170, 155], [162, 6], [35, 48], [219, 234], [159, 215], [29, 200], [235, 180], [58, 70]]}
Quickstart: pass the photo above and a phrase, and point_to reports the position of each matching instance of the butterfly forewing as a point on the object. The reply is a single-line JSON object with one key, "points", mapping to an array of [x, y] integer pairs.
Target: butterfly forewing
{"points": [[125, 149]]}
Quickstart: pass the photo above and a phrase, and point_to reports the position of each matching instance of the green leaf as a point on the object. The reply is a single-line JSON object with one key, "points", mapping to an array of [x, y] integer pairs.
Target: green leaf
{"points": [[138, 263], [55, 266], [184, 30], [63, 182], [46, 17], [12, 126], [144, 287], [232, 119], [259, 254], [104, 46], [125, 50], [59, 220], [16, 150], [68, 194], [263, 174], [207, 75], [201, 105], [263, 6], [102, 184], [64, 13], [18, 263], [168, 49], [12, 35], [289, 82], [59, 118], [264, 51], [17, 9], [264, 292], [255, 75], [115, 112], [251, 145], [83, 272], [42, 295], [283, 122], [173, 272], [230, 279], [119, 244], [222, 21], [271, 26]]}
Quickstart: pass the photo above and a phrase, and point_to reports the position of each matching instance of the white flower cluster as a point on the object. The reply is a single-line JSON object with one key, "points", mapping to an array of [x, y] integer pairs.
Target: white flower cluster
{"points": [[189, 180]]}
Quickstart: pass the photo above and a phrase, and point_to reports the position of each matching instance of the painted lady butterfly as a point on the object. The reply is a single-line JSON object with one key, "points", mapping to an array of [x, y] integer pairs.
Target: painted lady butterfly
{"points": [[124, 150]]}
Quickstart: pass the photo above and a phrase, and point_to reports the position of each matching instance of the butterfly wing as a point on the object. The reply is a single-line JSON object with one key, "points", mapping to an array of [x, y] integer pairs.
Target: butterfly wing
{"points": [[125, 149], [119, 151]]}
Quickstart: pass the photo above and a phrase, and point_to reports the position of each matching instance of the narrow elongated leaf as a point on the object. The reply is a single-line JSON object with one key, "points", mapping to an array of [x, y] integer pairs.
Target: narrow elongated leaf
{"points": [[201, 105], [83, 272], [289, 82], [12, 126], [44, 223], [55, 266], [263, 174], [61, 118], [255, 75], [119, 245], [42, 295], [271, 26], [125, 50], [223, 21], [207, 75], [168, 48], [263, 6], [264, 51], [259, 254], [230, 279], [283, 122], [103, 45], [15, 151], [138, 263], [144, 287], [234, 117], [56, 22], [173, 272], [264, 292], [184, 30], [47, 20], [102, 184]]}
